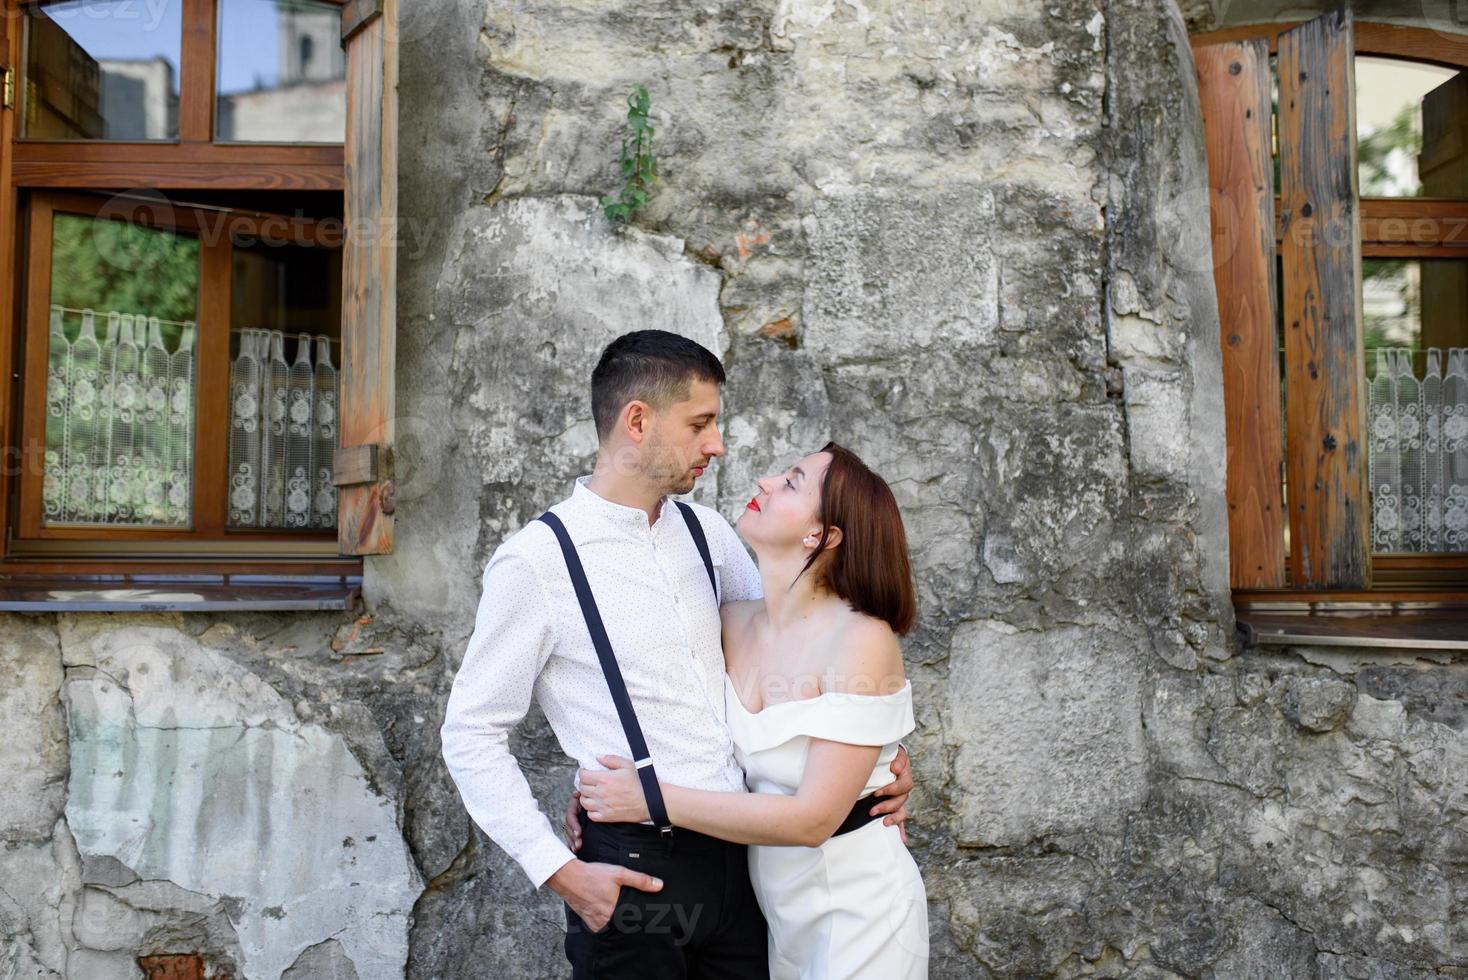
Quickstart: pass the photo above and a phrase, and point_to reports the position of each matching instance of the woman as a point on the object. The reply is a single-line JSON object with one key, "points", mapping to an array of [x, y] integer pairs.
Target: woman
{"points": [[816, 704]]}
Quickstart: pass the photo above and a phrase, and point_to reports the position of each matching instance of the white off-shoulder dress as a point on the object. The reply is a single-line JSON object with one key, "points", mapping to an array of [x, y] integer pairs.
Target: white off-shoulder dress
{"points": [[853, 908]]}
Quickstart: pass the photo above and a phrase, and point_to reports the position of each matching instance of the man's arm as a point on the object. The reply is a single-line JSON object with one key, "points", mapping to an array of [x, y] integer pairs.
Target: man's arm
{"points": [[491, 695], [895, 808], [739, 576]]}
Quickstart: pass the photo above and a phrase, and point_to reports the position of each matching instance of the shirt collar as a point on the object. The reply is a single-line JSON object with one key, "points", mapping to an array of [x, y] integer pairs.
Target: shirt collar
{"points": [[619, 514]]}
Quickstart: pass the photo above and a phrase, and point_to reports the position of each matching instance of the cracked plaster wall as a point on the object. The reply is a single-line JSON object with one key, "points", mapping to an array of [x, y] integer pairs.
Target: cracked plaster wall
{"points": [[968, 239]]}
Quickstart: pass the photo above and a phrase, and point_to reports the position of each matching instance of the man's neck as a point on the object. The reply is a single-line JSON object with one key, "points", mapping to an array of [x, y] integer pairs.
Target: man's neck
{"points": [[629, 490]]}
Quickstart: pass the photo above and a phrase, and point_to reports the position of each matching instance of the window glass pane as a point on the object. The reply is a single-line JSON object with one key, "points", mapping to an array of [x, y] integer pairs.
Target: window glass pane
{"points": [[1416, 321], [102, 70], [1410, 128], [1284, 422], [282, 72], [285, 348], [120, 377]]}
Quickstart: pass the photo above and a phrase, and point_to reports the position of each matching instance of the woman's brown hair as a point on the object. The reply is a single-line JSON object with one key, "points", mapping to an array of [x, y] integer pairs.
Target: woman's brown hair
{"points": [[870, 567]]}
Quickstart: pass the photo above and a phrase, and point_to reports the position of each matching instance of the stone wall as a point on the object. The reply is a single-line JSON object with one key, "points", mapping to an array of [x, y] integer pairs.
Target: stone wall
{"points": [[968, 240]]}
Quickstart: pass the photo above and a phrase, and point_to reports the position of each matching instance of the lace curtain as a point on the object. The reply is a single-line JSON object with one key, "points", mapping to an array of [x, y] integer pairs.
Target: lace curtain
{"points": [[1418, 455], [119, 421], [282, 433]]}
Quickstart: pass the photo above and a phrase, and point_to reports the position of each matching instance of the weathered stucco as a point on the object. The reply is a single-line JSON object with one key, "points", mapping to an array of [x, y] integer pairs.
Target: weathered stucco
{"points": [[188, 768], [969, 240]]}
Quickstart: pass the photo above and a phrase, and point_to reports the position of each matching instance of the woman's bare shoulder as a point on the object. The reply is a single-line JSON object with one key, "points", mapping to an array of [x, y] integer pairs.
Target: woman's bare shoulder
{"points": [[866, 657], [739, 613], [737, 618]]}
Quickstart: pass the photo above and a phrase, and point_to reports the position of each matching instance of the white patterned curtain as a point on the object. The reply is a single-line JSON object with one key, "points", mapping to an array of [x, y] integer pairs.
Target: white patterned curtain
{"points": [[1418, 452], [119, 418], [282, 433]]}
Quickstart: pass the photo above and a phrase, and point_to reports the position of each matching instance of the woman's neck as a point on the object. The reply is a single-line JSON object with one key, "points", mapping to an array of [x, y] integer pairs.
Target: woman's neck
{"points": [[790, 597]]}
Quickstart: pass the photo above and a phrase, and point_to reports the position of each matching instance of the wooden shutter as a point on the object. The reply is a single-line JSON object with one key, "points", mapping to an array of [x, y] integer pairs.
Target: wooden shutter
{"points": [[362, 469], [9, 337], [1234, 91], [1320, 249]]}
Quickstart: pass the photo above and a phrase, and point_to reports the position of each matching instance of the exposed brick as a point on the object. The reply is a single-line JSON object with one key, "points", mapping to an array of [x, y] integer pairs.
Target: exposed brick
{"points": [[173, 966]]}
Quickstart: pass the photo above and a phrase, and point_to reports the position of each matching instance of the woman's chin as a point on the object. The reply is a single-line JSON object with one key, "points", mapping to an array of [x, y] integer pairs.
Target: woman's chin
{"points": [[755, 537], [744, 527]]}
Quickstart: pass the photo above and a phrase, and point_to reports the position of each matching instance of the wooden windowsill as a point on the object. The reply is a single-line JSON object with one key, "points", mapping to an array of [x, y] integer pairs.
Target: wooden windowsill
{"points": [[1420, 624], [191, 593]]}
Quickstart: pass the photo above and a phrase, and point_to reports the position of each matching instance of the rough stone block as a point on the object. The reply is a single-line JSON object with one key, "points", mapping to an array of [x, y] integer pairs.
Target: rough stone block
{"points": [[893, 272], [1316, 703], [1048, 732], [33, 744], [34, 887], [1157, 422], [532, 290]]}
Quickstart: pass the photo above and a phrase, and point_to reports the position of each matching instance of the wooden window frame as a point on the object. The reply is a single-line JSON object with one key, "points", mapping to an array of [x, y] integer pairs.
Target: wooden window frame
{"points": [[192, 162], [216, 234], [1392, 227]]}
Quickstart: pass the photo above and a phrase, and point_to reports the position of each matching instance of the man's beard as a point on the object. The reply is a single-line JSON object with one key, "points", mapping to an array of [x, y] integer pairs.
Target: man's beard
{"points": [[668, 470]]}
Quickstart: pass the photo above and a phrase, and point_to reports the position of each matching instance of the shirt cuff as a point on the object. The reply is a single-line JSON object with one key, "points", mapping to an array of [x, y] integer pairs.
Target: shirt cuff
{"points": [[544, 859]]}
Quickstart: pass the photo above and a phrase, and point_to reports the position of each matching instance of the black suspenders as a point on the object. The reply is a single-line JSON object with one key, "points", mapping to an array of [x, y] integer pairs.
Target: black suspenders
{"points": [[623, 701], [695, 531]]}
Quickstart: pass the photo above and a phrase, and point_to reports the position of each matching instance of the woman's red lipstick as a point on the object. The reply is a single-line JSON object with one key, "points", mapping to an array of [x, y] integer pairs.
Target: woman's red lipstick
{"points": [[752, 505]]}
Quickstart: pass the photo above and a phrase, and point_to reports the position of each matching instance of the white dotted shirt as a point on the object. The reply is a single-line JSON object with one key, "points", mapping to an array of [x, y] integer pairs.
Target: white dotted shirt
{"points": [[530, 640]]}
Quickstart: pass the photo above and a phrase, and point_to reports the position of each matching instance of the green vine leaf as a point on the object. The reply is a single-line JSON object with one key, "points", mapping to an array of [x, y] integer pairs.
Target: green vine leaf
{"points": [[638, 165]]}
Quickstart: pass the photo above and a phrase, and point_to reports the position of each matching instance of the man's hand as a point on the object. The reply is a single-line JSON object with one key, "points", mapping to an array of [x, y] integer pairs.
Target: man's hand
{"points": [[614, 796], [592, 889], [571, 829], [898, 790]]}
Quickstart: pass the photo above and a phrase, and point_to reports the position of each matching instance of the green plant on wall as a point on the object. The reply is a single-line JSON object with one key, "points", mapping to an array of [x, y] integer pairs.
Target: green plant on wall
{"points": [[639, 166]]}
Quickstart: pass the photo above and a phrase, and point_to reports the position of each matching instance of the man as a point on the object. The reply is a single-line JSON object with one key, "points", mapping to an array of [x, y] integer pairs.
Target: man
{"points": [[683, 903]]}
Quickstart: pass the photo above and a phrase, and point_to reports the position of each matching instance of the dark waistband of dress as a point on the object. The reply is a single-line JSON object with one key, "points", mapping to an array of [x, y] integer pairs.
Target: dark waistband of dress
{"points": [[859, 816]]}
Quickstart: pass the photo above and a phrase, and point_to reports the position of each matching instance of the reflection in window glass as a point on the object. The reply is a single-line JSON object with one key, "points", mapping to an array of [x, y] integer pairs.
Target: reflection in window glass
{"points": [[1416, 320], [102, 70], [285, 345], [1415, 314], [120, 375], [282, 72], [1409, 127]]}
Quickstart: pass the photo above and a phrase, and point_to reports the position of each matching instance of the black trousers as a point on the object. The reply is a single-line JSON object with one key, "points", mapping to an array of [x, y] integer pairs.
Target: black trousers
{"points": [[705, 923]]}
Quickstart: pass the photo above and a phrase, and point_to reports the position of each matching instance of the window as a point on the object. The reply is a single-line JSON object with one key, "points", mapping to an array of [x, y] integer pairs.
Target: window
{"points": [[1344, 312], [201, 361], [278, 90], [115, 302], [104, 70]]}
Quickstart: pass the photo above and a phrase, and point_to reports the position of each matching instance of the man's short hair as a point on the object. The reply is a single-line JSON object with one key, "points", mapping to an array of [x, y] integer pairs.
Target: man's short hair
{"points": [[652, 366]]}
